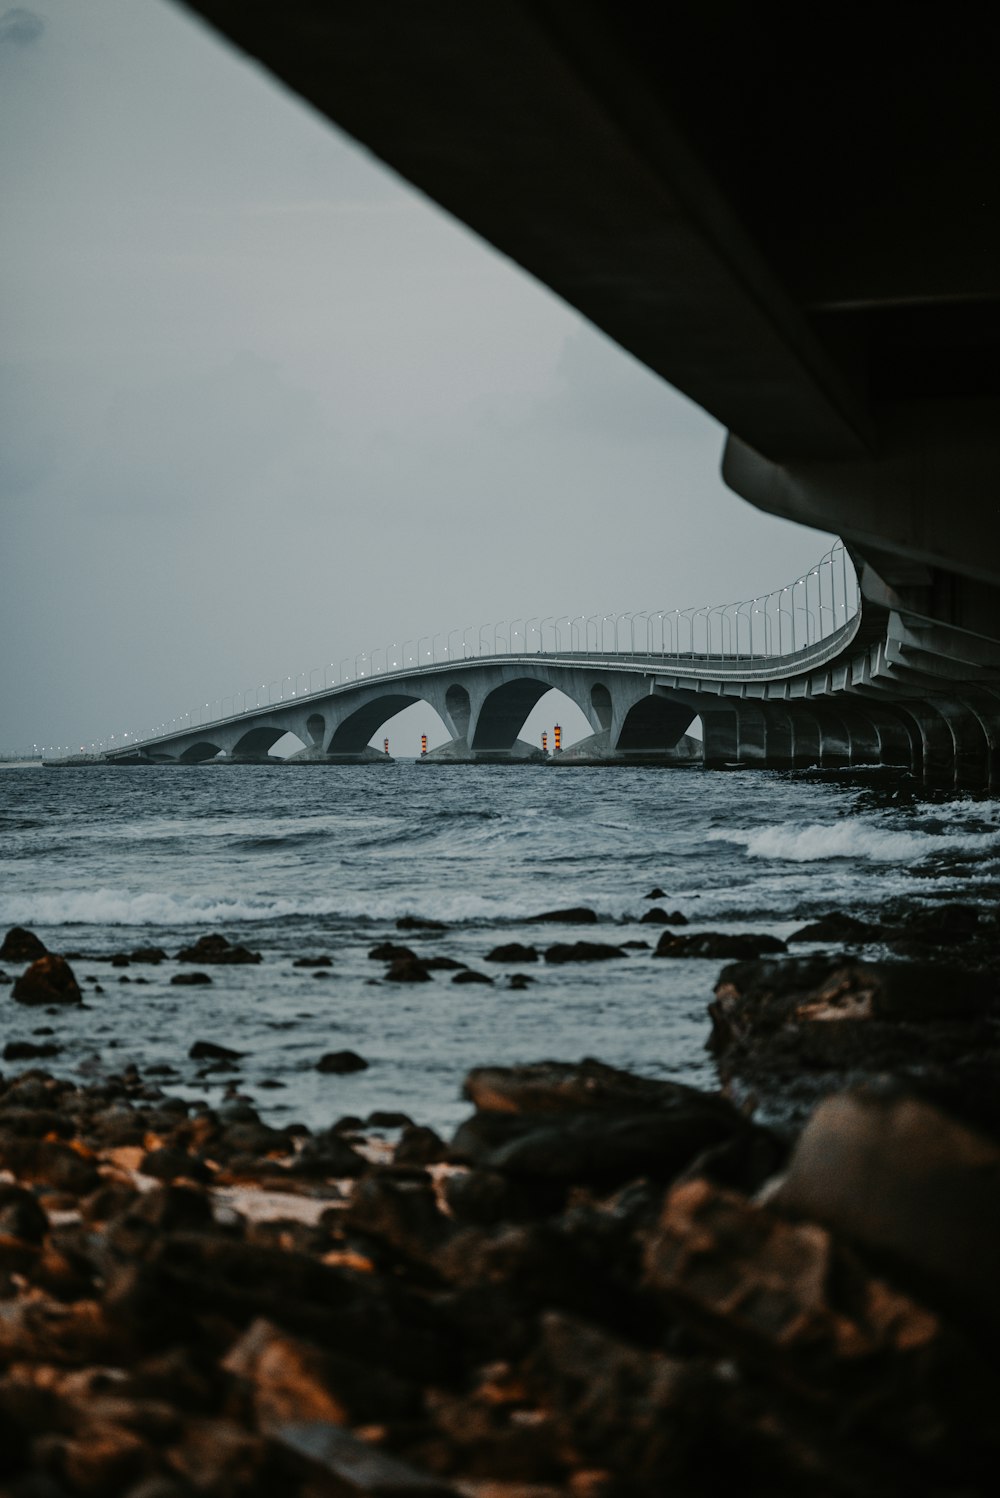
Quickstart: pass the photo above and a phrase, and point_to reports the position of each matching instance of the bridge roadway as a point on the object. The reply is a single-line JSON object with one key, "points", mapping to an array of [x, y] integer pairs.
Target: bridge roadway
{"points": [[881, 689]]}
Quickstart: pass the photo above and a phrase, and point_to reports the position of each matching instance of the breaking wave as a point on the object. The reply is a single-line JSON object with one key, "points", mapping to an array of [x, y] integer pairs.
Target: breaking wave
{"points": [[854, 839]]}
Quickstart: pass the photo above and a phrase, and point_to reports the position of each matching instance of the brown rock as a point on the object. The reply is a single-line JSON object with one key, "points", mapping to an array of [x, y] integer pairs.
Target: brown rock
{"points": [[568, 1087], [837, 927], [898, 1176], [287, 1376], [352, 1466], [49, 980]]}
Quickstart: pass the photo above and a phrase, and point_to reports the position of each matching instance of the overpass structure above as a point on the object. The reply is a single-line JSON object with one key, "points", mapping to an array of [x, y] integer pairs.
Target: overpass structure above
{"points": [[794, 223]]}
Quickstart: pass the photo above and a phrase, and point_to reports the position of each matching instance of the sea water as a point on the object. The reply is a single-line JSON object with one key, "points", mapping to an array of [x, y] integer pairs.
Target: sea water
{"points": [[301, 860]]}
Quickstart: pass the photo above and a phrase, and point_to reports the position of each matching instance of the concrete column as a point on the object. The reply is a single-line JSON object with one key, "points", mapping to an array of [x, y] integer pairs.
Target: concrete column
{"points": [[721, 738]]}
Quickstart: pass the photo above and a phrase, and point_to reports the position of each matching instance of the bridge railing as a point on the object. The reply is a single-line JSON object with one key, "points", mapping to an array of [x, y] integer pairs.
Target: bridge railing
{"points": [[784, 622]]}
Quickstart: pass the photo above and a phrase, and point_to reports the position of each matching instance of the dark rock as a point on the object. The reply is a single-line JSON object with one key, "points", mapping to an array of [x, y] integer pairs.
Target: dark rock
{"points": [[419, 1146], [441, 964], [21, 1216], [190, 980], [295, 1382], [384, 1118], [49, 980], [322, 961], [28, 1050], [519, 981], [20, 945], [656, 893], [120, 960], [837, 927], [340, 1062], [388, 951], [48, 1163], [468, 976], [407, 970], [582, 951], [719, 944], [155, 955], [418, 923], [796, 1030], [488, 1197], [576, 915], [400, 1212], [168, 1164], [787, 1300], [216, 948], [327, 1155], [635, 946], [323, 973], [569, 1087], [608, 1150], [660, 917], [943, 926], [207, 1050], [512, 951]]}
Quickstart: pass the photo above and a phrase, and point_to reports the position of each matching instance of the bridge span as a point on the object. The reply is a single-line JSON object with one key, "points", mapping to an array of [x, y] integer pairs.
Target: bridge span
{"points": [[878, 688]]}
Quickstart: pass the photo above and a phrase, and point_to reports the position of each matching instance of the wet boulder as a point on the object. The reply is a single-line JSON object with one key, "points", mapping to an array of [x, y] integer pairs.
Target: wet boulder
{"points": [[794, 1031], [468, 975], [513, 951], [390, 951], [218, 949], [209, 1050], [582, 951], [190, 980], [21, 945], [407, 970], [29, 1050], [419, 923], [574, 1086], [339, 1063], [323, 960], [49, 980], [839, 928], [727, 945], [657, 916]]}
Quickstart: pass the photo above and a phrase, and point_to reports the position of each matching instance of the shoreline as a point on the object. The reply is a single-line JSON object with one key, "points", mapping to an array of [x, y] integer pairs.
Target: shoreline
{"points": [[601, 1285]]}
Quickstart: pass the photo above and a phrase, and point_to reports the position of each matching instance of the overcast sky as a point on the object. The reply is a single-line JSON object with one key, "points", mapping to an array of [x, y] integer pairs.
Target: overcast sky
{"points": [[263, 406]]}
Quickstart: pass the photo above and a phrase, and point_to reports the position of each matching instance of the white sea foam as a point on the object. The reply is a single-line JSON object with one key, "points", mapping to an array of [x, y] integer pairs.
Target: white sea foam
{"points": [[110, 907], [852, 838]]}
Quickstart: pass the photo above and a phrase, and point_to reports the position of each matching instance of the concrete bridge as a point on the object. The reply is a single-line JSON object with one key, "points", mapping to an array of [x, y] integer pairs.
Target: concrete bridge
{"points": [[875, 688]]}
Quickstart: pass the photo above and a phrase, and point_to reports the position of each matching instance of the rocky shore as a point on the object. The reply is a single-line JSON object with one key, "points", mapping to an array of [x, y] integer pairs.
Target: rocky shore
{"points": [[602, 1285]]}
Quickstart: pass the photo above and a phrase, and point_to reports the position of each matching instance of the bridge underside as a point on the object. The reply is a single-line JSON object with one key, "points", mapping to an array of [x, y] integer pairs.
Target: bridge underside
{"points": [[887, 702], [800, 236]]}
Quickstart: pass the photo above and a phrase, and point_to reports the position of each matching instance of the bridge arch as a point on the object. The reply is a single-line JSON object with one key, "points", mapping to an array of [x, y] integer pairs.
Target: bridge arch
{"points": [[604, 708], [195, 754], [653, 723], [504, 710], [352, 735], [258, 741]]}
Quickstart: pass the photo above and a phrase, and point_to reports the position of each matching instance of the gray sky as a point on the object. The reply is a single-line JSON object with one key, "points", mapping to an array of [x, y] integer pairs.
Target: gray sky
{"points": [[263, 406]]}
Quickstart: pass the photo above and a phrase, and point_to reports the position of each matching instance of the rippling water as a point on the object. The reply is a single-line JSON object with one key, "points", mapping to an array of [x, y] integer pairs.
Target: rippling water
{"points": [[298, 861]]}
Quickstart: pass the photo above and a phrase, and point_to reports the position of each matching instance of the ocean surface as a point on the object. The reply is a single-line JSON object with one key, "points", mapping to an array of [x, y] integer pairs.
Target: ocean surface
{"points": [[303, 860]]}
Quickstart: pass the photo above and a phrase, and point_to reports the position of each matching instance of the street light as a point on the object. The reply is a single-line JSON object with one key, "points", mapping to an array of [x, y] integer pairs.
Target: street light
{"points": [[527, 631], [419, 643], [549, 619]]}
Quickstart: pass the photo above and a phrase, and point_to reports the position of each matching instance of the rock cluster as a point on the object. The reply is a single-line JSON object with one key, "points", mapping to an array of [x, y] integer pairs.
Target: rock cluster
{"points": [[605, 1285]]}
